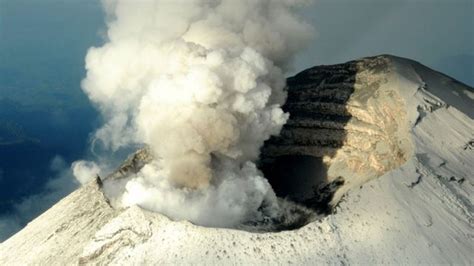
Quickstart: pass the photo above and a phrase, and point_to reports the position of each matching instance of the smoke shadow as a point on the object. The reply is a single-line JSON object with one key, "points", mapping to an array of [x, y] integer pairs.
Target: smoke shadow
{"points": [[294, 162]]}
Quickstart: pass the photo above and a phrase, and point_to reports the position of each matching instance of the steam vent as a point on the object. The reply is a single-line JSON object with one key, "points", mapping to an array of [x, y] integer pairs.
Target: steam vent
{"points": [[346, 127], [361, 157]]}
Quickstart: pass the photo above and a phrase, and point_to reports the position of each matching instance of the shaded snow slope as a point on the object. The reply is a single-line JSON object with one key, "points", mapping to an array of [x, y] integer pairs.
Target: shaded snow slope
{"points": [[420, 212]]}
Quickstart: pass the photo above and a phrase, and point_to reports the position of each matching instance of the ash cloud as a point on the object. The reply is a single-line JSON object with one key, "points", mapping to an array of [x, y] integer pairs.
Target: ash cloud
{"points": [[201, 83]]}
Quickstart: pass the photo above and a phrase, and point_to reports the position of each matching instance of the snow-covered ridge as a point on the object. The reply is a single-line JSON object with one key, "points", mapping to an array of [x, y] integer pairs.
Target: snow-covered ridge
{"points": [[419, 211]]}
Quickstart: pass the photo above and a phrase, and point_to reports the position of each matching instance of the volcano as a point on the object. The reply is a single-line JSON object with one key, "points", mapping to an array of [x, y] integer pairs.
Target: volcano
{"points": [[377, 152]]}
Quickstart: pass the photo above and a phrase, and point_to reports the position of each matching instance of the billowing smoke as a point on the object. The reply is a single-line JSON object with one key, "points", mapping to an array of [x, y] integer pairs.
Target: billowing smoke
{"points": [[201, 83], [85, 171]]}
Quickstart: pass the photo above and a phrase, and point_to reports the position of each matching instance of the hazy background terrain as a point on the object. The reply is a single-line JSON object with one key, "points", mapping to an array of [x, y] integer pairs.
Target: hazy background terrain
{"points": [[45, 119]]}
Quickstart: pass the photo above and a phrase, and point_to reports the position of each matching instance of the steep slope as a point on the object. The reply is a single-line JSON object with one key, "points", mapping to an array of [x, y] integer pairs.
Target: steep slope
{"points": [[58, 235], [384, 117]]}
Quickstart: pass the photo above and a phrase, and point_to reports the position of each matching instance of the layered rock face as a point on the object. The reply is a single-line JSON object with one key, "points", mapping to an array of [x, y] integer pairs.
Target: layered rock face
{"points": [[347, 125]]}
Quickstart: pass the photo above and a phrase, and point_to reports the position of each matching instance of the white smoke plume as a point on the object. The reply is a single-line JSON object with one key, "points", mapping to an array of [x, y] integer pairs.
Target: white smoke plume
{"points": [[201, 83], [85, 171]]}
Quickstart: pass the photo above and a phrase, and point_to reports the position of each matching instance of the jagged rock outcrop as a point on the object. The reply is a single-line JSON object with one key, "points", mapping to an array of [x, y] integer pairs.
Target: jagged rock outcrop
{"points": [[396, 111]]}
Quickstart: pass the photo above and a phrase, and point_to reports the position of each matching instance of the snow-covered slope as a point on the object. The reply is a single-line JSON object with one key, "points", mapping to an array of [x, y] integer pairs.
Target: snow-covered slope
{"points": [[419, 210]]}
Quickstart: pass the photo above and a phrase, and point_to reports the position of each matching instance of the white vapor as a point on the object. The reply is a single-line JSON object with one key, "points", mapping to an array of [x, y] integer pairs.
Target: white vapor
{"points": [[201, 82], [85, 171]]}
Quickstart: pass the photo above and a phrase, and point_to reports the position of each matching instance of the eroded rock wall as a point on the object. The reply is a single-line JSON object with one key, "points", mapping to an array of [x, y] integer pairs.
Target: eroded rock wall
{"points": [[349, 117]]}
